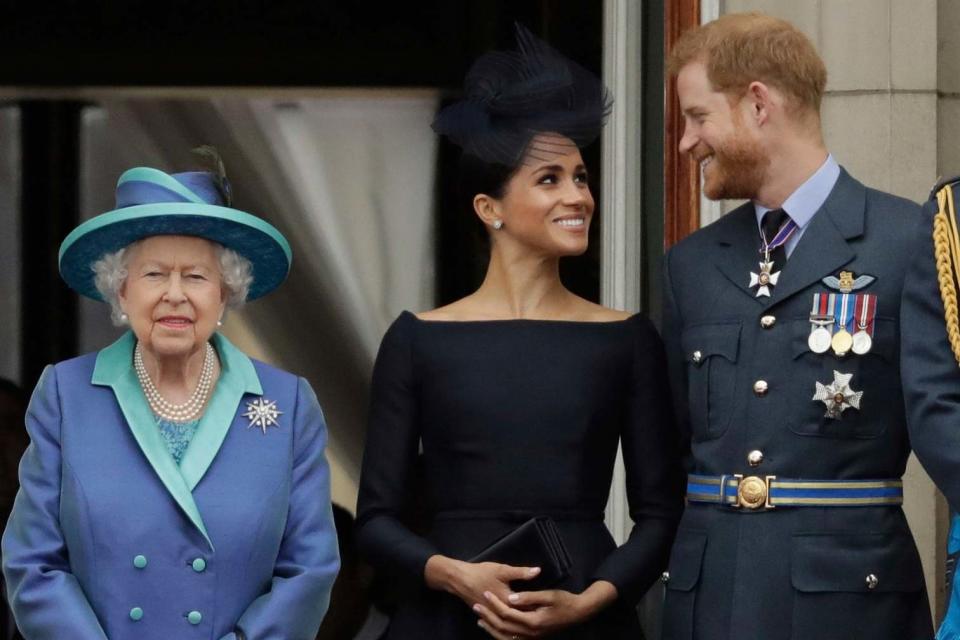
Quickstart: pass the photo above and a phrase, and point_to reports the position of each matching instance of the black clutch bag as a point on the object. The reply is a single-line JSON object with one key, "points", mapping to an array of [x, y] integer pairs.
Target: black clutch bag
{"points": [[535, 543]]}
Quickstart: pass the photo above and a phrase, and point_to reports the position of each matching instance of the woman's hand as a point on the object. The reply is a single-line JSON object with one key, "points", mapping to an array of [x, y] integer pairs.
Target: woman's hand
{"points": [[470, 581], [534, 614]]}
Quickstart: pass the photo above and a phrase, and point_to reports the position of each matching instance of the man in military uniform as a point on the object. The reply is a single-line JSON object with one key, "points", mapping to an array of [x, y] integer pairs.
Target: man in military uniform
{"points": [[781, 323], [930, 352]]}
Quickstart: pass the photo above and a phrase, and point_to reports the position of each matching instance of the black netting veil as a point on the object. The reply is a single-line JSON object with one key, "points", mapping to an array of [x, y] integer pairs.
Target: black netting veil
{"points": [[511, 96]]}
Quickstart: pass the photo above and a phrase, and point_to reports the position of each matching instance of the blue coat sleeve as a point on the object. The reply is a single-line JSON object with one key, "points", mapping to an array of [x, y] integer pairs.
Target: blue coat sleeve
{"points": [[46, 598], [308, 561]]}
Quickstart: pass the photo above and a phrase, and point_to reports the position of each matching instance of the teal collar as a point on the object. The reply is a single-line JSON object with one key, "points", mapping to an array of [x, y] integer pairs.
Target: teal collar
{"points": [[114, 368]]}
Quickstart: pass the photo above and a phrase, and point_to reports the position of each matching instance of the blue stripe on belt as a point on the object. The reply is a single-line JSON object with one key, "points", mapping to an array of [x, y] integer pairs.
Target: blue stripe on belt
{"points": [[768, 492]]}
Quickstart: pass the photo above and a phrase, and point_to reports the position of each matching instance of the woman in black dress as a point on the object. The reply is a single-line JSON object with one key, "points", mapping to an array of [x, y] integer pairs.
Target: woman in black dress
{"points": [[518, 394]]}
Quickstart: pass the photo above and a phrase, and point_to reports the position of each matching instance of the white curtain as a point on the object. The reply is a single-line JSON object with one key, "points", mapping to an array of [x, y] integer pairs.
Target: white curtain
{"points": [[347, 177], [365, 173]]}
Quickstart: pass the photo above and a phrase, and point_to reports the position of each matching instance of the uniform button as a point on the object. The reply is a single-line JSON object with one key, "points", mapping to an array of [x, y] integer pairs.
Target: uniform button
{"points": [[767, 322], [136, 613], [697, 357], [140, 562], [755, 457], [872, 582], [665, 577], [760, 388], [194, 617], [199, 565]]}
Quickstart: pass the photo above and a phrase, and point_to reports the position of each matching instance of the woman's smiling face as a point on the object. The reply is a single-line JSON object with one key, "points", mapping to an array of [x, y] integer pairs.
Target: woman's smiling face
{"points": [[547, 203], [173, 294]]}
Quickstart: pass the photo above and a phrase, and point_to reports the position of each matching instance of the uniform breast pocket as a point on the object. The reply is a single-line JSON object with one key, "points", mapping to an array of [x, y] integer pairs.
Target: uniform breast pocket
{"points": [[875, 375], [857, 586], [711, 351]]}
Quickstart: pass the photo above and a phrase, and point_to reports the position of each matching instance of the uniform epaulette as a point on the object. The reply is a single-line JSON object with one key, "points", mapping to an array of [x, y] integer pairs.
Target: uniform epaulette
{"points": [[943, 182]]}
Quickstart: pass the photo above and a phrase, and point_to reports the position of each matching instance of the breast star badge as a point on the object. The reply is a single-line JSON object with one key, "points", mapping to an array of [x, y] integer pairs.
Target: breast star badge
{"points": [[262, 413], [765, 279], [838, 396]]}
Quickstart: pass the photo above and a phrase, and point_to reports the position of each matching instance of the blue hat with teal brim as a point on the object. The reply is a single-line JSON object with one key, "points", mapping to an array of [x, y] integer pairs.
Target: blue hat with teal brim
{"points": [[152, 203]]}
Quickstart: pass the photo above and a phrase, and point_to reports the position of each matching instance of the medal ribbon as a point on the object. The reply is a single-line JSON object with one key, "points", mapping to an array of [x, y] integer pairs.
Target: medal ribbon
{"points": [[831, 305], [781, 237], [817, 323], [820, 305], [820, 309], [843, 312], [866, 312]]}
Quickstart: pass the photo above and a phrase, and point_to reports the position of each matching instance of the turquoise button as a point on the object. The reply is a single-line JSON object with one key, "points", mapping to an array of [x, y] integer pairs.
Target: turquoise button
{"points": [[194, 617], [136, 613], [199, 565], [140, 562]]}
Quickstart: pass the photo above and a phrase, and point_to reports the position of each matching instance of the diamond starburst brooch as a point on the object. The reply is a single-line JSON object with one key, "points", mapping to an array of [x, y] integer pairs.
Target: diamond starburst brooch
{"points": [[262, 413]]}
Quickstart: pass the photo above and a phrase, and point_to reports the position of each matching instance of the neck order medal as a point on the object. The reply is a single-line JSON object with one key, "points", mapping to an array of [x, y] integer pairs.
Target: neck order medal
{"points": [[767, 278], [764, 280]]}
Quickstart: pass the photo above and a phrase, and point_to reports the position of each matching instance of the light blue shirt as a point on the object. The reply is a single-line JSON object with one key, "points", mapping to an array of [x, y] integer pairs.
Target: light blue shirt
{"points": [[806, 200]]}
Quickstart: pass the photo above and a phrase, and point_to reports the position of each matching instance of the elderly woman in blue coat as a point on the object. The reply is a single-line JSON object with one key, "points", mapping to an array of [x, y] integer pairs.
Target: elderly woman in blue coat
{"points": [[173, 487]]}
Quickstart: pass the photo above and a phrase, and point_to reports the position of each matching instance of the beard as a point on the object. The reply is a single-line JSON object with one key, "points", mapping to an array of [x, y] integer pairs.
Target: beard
{"points": [[738, 168]]}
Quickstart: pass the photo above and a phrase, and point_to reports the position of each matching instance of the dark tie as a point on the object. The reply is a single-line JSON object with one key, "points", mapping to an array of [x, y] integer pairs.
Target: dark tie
{"points": [[771, 223]]}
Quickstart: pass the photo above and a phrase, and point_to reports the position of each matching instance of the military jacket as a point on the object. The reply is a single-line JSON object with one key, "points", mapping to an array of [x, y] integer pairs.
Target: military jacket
{"points": [[744, 377], [931, 379]]}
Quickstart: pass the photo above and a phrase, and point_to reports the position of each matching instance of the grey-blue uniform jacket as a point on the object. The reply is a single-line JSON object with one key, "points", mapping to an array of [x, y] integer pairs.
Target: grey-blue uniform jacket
{"points": [[744, 378]]}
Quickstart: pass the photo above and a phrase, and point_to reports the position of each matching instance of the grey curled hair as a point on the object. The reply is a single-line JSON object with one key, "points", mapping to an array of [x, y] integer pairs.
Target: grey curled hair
{"points": [[110, 272]]}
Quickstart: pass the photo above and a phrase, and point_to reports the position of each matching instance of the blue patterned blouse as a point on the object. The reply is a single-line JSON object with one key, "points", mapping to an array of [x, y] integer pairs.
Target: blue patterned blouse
{"points": [[950, 627], [176, 435]]}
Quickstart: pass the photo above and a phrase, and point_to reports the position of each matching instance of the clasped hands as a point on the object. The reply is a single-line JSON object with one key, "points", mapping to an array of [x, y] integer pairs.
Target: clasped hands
{"points": [[506, 615]]}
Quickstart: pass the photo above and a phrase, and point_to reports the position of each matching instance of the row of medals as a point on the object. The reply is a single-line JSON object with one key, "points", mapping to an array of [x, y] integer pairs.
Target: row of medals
{"points": [[842, 342]]}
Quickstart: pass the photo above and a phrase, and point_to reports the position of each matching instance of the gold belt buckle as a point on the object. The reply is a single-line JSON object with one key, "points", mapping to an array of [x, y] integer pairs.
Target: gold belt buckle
{"points": [[753, 492]]}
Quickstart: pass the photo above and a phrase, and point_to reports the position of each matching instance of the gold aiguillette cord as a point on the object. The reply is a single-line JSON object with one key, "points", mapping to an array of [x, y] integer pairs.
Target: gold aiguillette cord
{"points": [[946, 250]]}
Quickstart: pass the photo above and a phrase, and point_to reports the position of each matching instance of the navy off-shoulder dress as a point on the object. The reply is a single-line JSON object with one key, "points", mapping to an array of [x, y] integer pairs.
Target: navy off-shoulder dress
{"points": [[518, 418]]}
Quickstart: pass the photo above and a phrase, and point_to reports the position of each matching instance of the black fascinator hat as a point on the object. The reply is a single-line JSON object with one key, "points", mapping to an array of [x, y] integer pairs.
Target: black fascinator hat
{"points": [[511, 96]]}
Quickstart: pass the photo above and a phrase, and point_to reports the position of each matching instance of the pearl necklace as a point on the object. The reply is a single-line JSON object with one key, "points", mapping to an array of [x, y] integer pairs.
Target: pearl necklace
{"points": [[165, 409]]}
